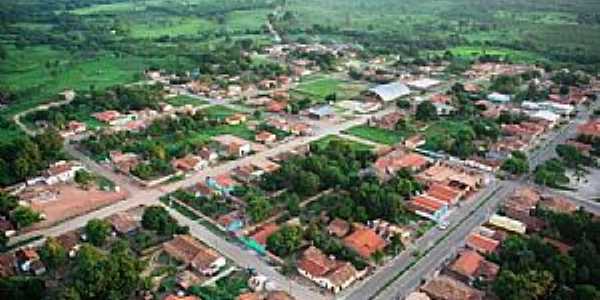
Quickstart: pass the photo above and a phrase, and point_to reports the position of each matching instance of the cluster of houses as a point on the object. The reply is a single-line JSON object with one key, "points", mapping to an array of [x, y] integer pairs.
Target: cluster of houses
{"points": [[456, 281], [445, 184]]}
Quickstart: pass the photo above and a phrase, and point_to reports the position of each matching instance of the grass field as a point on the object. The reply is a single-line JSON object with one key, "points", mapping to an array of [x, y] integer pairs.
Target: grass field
{"points": [[437, 133], [185, 100], [377, 135], [317, 87], [171, 27]]}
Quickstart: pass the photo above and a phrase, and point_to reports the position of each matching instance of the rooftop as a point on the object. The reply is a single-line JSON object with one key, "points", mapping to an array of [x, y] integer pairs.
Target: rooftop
{"points": [[390, 91], [365, 242]]}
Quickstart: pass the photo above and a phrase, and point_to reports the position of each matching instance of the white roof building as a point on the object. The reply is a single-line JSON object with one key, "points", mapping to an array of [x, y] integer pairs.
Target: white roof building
{"points": [[423, 83], [497, 97], [391, 91]]}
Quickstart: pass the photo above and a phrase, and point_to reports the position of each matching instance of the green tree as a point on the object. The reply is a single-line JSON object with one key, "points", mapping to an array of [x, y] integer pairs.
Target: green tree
{"points": [[22, 288], [7, 203], [50, 143], [24, 216], [97, 231], [286, 240], [157, 218], [53, 254], [100, 276], [83, 177], [259, 207], [426, 111]]}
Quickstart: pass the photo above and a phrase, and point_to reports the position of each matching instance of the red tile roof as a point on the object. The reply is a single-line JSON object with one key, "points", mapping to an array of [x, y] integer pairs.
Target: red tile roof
{"points": [[428, 204], [365, 242], [482, 244], [444, 193], [263, 233], [467, 263], [591, 128]]}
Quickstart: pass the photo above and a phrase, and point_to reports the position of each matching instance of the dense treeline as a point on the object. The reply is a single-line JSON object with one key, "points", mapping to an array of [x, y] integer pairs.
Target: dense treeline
{"points": [[26, 157], [534, 269]]}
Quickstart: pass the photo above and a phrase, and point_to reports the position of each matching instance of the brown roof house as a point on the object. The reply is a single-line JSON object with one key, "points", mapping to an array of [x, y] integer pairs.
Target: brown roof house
{"points": [[470, 265], [446, 288], [124, 224], [326, 272], [198, 257], [365, 242], [338, 227]]}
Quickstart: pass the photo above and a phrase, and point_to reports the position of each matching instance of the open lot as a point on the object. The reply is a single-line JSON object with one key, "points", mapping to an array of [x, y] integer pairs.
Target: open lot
{"points": [[71, 201]]}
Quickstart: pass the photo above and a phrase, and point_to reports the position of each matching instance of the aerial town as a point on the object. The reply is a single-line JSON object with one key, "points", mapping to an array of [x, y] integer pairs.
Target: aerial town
{"points": [[315, 170]]}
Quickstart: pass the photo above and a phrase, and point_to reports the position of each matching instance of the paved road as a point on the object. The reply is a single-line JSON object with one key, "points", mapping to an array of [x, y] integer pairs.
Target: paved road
{"points": [[246, 258], [410, 280], [150, 196]]}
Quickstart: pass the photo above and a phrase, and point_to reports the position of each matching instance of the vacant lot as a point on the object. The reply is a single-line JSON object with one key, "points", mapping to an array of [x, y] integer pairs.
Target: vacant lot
{"points": [[72, 201], [378, 135]]}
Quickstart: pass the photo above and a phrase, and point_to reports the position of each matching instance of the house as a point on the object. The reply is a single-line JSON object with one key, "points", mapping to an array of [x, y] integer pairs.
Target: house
{"points": [[388, 92], [590, 129], [278, 295], [301, 129], [470, 266], [233, 221], [73, 128], [387, 121], [222, 183], [247, 173], [208, 155], [265, 166], [201, 189], [29, 261], [233, 145], [499, 98], [186, 249], [264, 232], [444, 193], [414, 141], [276, 106], [279, 123], [507, 224], [236, 119], [443, 109], [249, 296], [387, 165], [429, 208], [267, 84], [107, 116], [176, 297], [124, 162], [365, 242], [482, 244], [61, 171], [453, 176], [70, 242], [189, 163], [338, 227], [321, 112], [423, 84], [326, 272], [440, 98], [265, 137], [446, 288], [124, 224], [186, 279], [472, 88]]}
